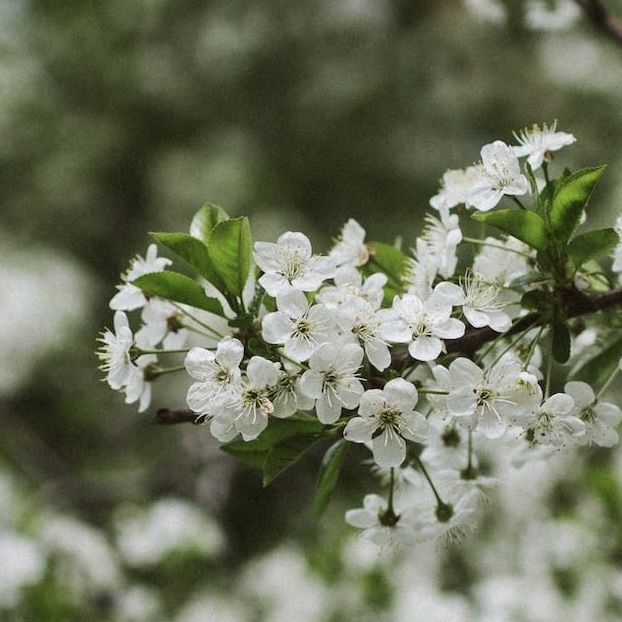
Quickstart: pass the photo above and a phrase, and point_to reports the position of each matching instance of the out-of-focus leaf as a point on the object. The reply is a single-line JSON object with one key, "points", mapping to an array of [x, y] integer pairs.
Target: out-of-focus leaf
{"points": [[328, 475]]}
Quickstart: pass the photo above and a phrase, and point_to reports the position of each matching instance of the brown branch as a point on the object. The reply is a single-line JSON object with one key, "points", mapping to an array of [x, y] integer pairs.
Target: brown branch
{"points": [[166, 416], [579, 305], [602, 19], [466, 345]]}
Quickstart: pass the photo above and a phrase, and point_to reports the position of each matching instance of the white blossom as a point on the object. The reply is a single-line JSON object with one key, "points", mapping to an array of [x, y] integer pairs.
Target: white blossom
{"points": [[488, 400], [455, 189], [130, 297], [537, 143], [349, 282], [290, 264], [553, 423], [115, 352], [381, 526], [422, 324], [287, 397], [358, 317], [251, 405], [298, 325], [497, 175], [441, 239], [600, 418], [482, 304], [386, 418], [350, 249], [160, 324], [332, 379], [218, 374]]}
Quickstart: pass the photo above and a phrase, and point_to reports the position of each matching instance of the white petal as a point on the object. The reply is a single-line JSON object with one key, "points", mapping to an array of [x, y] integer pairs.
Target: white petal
{"points": [[389, 449], [425, 348], [359, 430]]}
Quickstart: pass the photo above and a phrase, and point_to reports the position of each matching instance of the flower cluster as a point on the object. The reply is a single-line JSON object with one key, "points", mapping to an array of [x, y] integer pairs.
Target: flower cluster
{"points": [[423, 358]]}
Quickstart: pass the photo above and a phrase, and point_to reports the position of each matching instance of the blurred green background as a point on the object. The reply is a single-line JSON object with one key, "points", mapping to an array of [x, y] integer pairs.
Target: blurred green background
{"points": [[118, 118]]}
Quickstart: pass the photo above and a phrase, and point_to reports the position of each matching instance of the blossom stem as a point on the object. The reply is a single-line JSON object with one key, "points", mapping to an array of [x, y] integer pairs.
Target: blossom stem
{"points": [[390, 507], [469, 472], [153, 372], [549, 368], [199, 322], [545, 171], [424, 391], [140, 351], [420, 464], [512, 343], [607, 383], [518, 202]]}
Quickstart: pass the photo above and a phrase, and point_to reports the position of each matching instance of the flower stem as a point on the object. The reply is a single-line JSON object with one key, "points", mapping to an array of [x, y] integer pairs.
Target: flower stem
{"points": [[420, 464], [607, 383]]}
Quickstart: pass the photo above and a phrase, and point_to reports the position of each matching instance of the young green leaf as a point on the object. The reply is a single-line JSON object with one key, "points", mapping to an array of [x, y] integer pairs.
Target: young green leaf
{"points": [[193, 252], [205, 220], [178, 288], [230, 251], [522, 224], [591, 244], [570, 199], [328, 475]]}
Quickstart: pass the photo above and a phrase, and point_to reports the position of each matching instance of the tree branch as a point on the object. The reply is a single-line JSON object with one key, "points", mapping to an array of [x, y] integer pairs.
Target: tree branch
{"points": [[581, 305], [167, 416], [602, 19], [466, 345]]}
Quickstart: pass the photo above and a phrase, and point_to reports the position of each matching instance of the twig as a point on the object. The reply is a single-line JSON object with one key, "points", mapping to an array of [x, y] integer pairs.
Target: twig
{"points": [[602, 19], [167, 416], [583, 305]]}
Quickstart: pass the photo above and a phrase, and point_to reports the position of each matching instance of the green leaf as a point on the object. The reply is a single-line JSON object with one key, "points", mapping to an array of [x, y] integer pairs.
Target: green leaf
{"points": [[328, 475], [560, 336], [178, 288], [230, 250], [570, 199], [286, 453], [193, 252], [522, 224], [205, 220], [592, 244], [279, 446]]}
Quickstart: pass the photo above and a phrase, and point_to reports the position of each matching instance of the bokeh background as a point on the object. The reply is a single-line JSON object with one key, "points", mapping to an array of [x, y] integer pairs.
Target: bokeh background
{"points": [[118, 118]]}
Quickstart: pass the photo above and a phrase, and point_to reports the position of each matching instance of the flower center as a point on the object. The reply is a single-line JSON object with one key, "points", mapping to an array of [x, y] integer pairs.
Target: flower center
{"points": [[389, 417], [587, 415], [294, 265]]}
